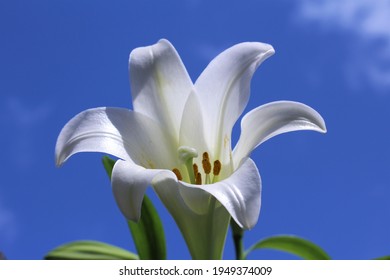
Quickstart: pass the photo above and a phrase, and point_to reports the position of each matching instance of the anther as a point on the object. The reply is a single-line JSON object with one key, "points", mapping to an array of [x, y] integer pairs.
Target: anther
{"points": [[177, 173], [217, 168], [195, 167], [198, 179], [206, 163]]}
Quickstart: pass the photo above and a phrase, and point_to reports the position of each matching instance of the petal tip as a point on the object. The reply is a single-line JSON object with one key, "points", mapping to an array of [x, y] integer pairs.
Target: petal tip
{"points": [[321, 123], [58, 163], [324, 129], [59, 158]]}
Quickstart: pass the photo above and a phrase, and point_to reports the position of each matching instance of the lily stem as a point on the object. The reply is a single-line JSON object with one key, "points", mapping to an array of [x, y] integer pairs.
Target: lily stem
{"points": [[238, 239]]}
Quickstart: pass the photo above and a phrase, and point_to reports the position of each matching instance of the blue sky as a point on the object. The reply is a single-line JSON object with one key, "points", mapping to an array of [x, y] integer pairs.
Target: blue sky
{"points": [[58, 58]]}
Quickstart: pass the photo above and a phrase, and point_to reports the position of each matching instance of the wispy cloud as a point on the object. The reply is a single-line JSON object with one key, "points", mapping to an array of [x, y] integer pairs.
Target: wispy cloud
{"points": [[7, 225], [368, 22], [24, 115], [19, 121], [208, 51]]}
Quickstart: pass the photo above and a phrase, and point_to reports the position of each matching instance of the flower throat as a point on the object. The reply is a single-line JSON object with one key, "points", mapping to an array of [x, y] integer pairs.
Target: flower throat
{"points": [[186, 156]]}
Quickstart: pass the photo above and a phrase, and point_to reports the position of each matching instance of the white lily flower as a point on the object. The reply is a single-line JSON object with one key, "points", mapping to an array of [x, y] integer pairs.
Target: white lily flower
{"points": [[178, 140]]}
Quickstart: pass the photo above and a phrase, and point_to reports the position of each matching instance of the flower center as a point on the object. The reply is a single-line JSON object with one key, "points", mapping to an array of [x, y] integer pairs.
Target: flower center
{"points": [[186, 156]]}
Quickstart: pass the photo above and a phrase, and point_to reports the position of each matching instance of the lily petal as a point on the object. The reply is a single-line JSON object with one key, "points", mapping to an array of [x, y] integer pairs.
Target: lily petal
{"points": [[224, 88], [204, 233], [192, 130], [273, 119], [160, 84], [129, 184], [240, 194], [119, 132]]}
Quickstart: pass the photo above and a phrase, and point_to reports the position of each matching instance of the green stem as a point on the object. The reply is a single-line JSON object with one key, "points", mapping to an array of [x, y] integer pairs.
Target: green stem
{"points": [[238, 239], [215, 255]]}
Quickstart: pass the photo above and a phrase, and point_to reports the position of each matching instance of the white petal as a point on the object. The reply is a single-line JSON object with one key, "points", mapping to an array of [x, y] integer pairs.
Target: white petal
{"points": [[160, 84], [224, 88], [192, 130], [205, 232], [240, 194], [119, 132], [129, 184], [272, 119]]}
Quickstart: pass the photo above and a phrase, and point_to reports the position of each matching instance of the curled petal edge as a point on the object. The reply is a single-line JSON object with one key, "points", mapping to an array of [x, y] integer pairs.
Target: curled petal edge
{"points": [[271, 119], [239, 194], [129, 183]]}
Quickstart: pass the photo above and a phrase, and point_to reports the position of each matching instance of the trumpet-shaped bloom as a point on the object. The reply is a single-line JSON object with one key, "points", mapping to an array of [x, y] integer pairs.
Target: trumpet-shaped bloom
{"points": [[177, 139]]}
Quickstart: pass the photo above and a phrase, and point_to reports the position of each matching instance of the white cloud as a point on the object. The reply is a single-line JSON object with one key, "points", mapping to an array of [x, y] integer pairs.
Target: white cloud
{"points": [[369, 18], [368, 21]]}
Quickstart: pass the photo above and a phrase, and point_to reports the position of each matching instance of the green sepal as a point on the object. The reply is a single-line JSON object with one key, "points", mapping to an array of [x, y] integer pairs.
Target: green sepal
{"points": [[291, 244], [148, 233], [89, 250]]}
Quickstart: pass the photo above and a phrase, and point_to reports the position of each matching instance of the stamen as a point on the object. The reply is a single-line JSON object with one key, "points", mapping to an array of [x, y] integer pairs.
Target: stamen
{"points": [[206, 167], [198, 179], [206, 163], [216, 170], [195, 167], [177, 173], [217, 167]]}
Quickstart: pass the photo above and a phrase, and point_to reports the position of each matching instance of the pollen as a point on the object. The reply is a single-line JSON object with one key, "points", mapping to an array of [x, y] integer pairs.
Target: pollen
{"points": [[206, 163], [177, 173], [198, 179], [195, 168], [217, 168]]}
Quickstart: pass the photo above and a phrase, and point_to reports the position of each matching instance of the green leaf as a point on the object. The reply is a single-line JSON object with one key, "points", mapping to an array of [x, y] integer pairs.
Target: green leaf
{"points": [[292, 244], [89, 250], [148, 233], [383, 258], [108, 164]]}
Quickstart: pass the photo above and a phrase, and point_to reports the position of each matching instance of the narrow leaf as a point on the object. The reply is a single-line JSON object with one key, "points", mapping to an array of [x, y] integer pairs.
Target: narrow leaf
{"points": [[148, 233], [108, 164], [293, 245], [383, 258], [89, 250]]}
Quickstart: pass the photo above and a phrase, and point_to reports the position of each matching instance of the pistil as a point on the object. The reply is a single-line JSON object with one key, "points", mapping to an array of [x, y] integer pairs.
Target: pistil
{"points": [[186, 155]]}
